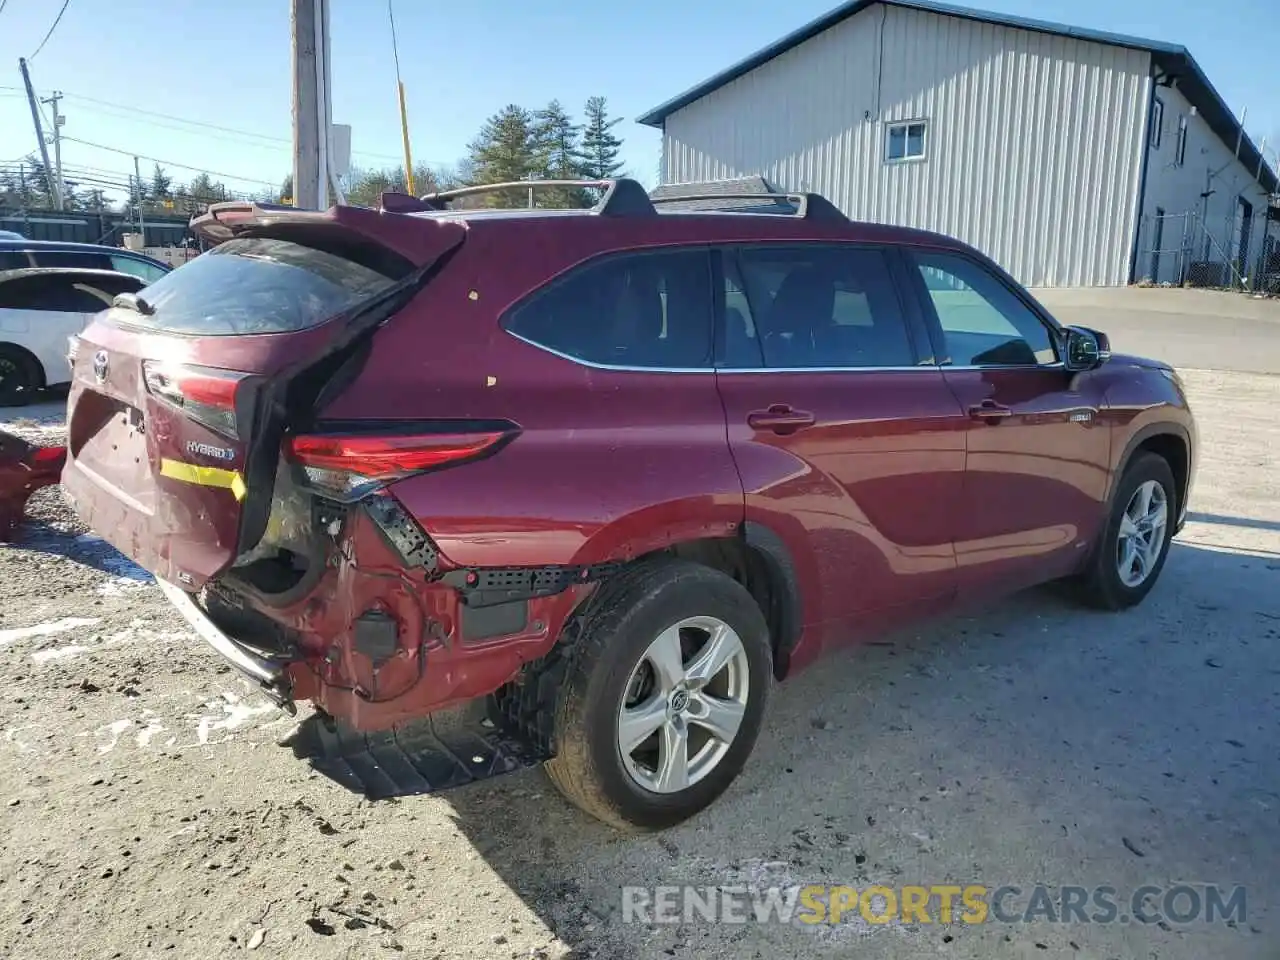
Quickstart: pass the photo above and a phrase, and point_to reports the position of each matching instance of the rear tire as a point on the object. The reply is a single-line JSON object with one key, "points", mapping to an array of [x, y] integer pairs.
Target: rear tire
{"points": [[1135, 541], [20, 376], [676, 647]]}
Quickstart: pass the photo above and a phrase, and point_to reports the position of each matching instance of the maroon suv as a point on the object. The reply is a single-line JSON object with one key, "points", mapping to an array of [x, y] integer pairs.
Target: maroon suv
{"points": [[611, 471]]}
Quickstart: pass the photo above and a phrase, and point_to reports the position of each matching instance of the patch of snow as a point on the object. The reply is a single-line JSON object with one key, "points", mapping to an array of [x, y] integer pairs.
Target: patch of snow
{"points": [[120, 586], [60, 653], [130, 634], [113, 731], [46, 629], [236, 713]]}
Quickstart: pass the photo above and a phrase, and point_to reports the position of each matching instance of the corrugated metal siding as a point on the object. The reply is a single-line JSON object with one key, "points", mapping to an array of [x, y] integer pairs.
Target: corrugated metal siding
{"points": [[1034, 141], [1209, 165]]}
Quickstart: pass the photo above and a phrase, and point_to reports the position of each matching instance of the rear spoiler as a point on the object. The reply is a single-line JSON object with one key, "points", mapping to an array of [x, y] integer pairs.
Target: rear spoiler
{"points": [[419, 239]]}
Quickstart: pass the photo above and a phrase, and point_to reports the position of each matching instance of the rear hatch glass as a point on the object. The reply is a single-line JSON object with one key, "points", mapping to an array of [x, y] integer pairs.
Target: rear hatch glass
{"points": [[255, 285]]}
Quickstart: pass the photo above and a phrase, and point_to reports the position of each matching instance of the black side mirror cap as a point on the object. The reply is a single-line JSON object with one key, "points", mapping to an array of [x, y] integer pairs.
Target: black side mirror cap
{"points": [[1085, 349]]}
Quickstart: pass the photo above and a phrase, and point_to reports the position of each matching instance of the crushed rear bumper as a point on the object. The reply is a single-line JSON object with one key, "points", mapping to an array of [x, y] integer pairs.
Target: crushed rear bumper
{"points": [[270, 674]]}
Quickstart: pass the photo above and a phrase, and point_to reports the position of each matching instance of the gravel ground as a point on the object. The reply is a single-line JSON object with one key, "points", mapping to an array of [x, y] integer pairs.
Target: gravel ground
{"points": [[147, 808]]}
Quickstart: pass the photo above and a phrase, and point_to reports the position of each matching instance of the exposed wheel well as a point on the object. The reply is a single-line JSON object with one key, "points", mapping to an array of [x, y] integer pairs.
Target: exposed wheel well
{"points": [[752, 568], [1173, 449]]}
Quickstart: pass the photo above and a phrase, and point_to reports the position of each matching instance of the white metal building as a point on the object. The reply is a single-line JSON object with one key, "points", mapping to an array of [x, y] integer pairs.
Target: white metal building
{"points": [[1053, 149]]}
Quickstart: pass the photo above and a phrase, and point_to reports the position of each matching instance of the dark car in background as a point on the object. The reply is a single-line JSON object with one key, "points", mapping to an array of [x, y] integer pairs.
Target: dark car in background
{"points": [[610, 472], [16, 254]]}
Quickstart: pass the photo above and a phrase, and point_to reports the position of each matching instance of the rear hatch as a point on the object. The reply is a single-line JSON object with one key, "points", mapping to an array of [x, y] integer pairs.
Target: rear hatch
{"points": [[181, 394]]}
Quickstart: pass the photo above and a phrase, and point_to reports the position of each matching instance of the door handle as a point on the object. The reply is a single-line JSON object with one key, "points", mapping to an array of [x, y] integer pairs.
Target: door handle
{"points": [[989, 410], [780, 418]]}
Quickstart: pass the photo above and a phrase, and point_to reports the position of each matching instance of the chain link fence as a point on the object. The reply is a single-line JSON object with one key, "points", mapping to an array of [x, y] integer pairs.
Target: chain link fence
{"points": [[1232, 253]]}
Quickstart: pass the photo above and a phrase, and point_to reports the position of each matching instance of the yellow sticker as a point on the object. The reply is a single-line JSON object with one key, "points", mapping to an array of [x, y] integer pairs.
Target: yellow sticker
{"points": [[204, 476]]}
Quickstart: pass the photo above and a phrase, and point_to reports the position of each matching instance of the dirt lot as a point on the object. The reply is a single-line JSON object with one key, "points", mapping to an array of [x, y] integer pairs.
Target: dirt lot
{"points": [[148, 810]]}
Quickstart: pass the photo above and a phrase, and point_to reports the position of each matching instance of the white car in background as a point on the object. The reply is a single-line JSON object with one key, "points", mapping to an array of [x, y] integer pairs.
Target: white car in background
{"points": [[40, 308]]}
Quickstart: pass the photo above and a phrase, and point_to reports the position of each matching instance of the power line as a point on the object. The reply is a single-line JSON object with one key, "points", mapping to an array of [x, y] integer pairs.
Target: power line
{"points": [[170, 163], [56, 20], [218, 128], [283, 141], [169, 116]]}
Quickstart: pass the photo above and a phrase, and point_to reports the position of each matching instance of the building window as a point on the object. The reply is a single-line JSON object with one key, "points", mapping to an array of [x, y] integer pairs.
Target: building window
{"points": [[906, 141], [1180, 153], [1157, 124]]}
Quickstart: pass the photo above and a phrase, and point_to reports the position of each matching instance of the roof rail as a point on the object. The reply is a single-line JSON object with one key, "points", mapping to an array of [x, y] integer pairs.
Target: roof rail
{"points": [[808, 206], [622, 196]]}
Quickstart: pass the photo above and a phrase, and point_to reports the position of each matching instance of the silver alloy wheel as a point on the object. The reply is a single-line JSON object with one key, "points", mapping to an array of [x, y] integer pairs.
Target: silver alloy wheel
{"points": [[1142, 528], [683, 704]]}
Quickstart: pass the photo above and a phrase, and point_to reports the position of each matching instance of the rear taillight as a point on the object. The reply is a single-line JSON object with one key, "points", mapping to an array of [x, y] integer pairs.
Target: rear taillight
{"points": [[205, 395], [349, 466]]}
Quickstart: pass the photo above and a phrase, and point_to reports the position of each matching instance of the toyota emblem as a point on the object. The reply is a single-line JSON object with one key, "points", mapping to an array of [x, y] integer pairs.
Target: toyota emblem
{"points": [[100, 365]]}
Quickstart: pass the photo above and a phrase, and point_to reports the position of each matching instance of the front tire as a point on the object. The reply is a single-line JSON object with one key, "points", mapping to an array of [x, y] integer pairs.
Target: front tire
{"points": [[1135, 542], [20, 377], [664, 696]]}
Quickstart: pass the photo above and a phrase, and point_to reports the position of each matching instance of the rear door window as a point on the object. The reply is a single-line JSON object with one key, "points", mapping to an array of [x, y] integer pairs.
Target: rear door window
{"points": [[650, 310], [255, 285], [58, 293], [72, 259], [815, 305], [148, 272]]}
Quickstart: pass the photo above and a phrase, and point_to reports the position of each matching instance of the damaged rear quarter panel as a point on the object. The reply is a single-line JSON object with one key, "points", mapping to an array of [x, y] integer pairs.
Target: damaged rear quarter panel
{"points": [[608, 464]]}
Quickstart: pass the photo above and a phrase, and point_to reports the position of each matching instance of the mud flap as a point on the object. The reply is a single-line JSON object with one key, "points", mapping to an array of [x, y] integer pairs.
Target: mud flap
{"points": [[444, 750]]}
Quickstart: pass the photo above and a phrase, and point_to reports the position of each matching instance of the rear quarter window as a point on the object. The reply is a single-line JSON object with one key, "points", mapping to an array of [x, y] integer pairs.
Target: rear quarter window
{"points": [[256, 285], [644, 310]]}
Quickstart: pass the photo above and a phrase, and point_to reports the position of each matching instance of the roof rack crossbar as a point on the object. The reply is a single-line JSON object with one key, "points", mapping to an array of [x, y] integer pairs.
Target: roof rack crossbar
{"points": [[621, 197], [808, 206]]}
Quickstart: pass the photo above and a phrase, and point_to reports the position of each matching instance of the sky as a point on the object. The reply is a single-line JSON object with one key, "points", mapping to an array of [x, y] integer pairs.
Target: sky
{"points": [[157, 78]]}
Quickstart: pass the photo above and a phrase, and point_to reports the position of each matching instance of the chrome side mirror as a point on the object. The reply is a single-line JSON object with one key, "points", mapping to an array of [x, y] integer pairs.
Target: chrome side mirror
{"points": [[1085, 349]]}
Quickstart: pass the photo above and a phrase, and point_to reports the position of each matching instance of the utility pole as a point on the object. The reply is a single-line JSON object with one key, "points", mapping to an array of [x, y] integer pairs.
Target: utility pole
{"points": [[54, 188], [137, 196], [58, 121], [310, 26]]}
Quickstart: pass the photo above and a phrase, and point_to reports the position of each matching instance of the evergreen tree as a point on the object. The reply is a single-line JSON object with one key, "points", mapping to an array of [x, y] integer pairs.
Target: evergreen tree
{"points": [[558, 155], [161, 184], [17, 189], [600, 147], [504, 151], [38, 193], [286, 189]]}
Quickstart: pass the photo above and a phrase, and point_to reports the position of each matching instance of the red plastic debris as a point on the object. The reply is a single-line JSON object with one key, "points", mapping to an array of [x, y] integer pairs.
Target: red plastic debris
{"points": [[24, 469]]}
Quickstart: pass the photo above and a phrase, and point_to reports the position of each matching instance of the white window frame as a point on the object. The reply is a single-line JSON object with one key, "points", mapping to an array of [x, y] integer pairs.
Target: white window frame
{"points": [[1157, 122], [905, 126], [1180, 149]]}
